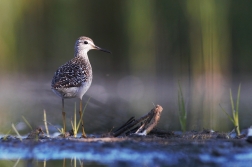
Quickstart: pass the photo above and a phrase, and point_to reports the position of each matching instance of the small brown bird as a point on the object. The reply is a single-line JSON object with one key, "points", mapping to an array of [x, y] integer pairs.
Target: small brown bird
{"points": [[74, 78]]}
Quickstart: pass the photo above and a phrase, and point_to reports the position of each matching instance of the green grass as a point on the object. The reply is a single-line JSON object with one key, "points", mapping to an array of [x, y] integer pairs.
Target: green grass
{"points": [[7, 134], [73, 123], [182, 111], [14, 128], [45, 122], [27, 123], [16, 131], [234, 118], [75, 126]]}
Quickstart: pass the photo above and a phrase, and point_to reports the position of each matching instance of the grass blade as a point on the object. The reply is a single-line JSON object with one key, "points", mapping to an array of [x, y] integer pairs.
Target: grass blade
{"points": [[231, 119], [16, 163], [45, 122], [235, 110], [75, 127], [60, 130], [238, 98], [27, 123], [14, 128], [236, 118], [232, 102], [182, 110], [83, 113], [6, 135]]}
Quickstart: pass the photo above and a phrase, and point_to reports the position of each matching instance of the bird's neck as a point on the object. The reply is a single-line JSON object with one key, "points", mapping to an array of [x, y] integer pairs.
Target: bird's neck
{"points": [[81, 53]]}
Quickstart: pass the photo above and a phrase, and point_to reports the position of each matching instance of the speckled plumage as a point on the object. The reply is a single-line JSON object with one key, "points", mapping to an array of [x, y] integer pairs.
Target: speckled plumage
{"points": [[70, 77], [74, 78]]}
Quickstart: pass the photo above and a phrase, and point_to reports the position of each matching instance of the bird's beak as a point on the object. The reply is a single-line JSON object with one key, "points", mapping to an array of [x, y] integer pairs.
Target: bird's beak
{"points": [[98, 48]]}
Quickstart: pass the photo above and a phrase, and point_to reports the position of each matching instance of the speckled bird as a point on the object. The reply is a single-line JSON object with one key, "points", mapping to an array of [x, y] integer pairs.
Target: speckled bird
{"points": [[74, 78]]}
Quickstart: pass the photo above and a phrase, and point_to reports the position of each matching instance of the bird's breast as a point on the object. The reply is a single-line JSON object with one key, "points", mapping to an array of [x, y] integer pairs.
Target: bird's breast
{"points": [[84, 87]]}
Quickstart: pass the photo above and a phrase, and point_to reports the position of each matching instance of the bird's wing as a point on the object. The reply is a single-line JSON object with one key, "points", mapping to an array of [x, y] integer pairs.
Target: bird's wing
{"points": [[71, 74]]}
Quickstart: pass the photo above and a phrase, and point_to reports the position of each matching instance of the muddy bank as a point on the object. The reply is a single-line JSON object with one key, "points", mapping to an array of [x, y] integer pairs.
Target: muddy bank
{"points": [[176, 149]]}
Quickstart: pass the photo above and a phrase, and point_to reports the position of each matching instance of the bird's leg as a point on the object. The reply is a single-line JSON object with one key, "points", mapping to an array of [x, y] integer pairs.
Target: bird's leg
{"points": [[82, 124], [64, 117]]}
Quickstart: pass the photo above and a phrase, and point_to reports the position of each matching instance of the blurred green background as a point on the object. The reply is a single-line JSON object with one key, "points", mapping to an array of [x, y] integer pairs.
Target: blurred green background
{"points": [[206, 45]]}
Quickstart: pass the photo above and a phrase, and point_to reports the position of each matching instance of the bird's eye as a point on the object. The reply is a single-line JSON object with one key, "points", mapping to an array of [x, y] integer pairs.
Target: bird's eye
{"points": [[85, 42]]}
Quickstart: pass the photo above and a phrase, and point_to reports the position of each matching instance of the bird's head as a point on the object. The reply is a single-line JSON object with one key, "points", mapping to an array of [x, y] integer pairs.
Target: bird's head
{"points": [[84, 44]]}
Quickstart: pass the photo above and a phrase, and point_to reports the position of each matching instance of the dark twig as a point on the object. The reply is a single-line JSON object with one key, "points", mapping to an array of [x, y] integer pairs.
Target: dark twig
{"points": [[132, 119], [148, 122]]}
